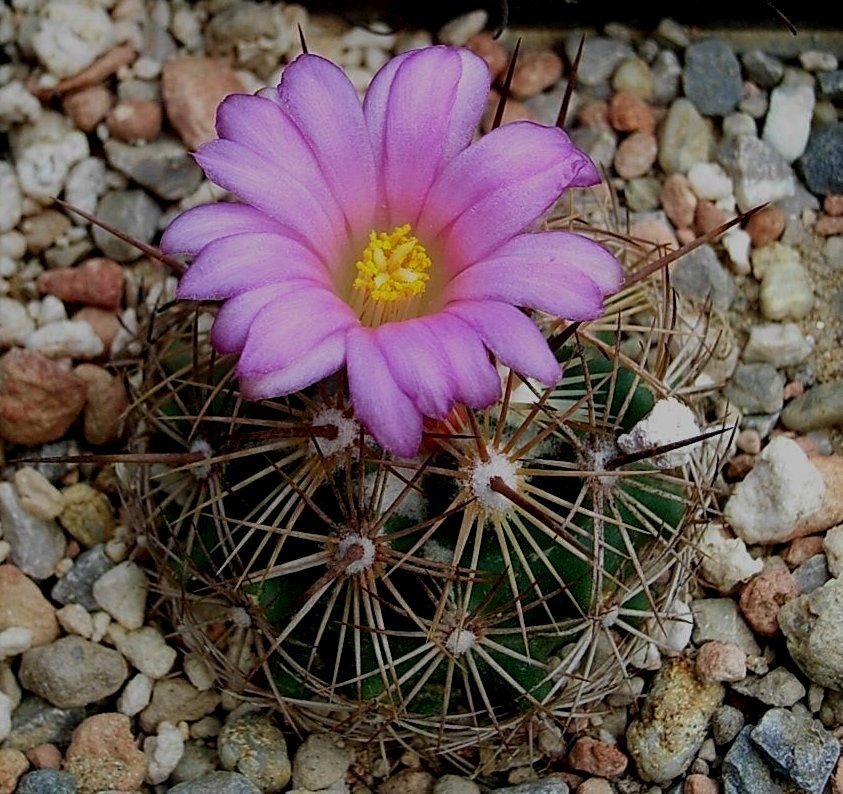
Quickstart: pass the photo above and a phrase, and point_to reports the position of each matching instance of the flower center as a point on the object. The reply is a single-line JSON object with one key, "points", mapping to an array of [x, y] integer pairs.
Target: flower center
{"points": [[391, 277]]}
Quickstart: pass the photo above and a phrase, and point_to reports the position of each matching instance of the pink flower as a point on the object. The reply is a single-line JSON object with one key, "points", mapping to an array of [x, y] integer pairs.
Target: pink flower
{"points": [[381, 239]]}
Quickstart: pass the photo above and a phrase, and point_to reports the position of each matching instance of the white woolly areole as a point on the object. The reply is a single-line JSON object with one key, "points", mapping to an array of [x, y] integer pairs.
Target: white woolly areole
{"points": [[669, 421], [498, 465], [460, 641], [347, 430], [203, 470], [362, 563]]}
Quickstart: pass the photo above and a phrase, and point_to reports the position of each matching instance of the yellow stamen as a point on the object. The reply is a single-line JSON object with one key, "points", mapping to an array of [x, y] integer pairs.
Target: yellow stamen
{"points": [[393, 266]]}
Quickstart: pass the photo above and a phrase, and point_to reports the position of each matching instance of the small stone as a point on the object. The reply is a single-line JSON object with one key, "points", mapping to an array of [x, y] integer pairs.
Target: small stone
{"points": [[756, 388], [95, 282], [41, 231], [779, 345], [712, 77], [409, 781], [72, 672], [35, 722], [105, 406], [812, 574], [820, 406], [830, 87], [88, 106], [535, 71], [75, 619], [87, 514], [736, 243], [192, 88], [779, 687], [797, 747], [765, 70], [833, 548], [701, 276], [47, 781], [597, 758], [135, 695], [829, 225], [822, 164], [39, 399], [725, 561], [719, 619], [254, 746], [13, 764], [163, 167], [103, 755], [721, 661], [700, 784], [830, 512], [685, 138], [709, 181], [454, 784], [726, 723], [22, 605], [600, 57], [176, 700], [131, 211], [217, 783], [678, 200], [708, 217], [121, 592], [163, 752], [145, 648], [15, 323], [35, 545], [633, 77], [673, 723], [76, 586], [786, 292], [490, 50], [744, 770], [66, 339], [800, 550], [135, 120], [762, 598], [37, 495], [759, 173], [320, 762], [636, 155]]}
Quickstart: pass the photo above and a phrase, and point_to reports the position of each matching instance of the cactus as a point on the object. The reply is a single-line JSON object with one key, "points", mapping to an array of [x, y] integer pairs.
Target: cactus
{"points": [[493, 587]]}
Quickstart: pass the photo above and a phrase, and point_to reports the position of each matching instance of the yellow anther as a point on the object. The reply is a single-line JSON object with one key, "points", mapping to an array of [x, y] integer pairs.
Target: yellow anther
{"points": [[393, 266]]}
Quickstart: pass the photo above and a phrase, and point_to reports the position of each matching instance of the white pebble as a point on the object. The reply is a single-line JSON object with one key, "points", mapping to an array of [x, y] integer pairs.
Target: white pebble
{"points": [[818, 61], [75, 619], [709, 181], [135, 695], [724, 559], [788, 123], [198, 671], [5, 548], [672, 632], [163, 752], [50, 310], [145, 649], [13, 243], [122, 592], [15, 323], [14, 641], [102, 622], [84, 185], [738, 243], [17, 105], [5, 716], [11, 201], [66, 339], [833, 548], [38, 496]]}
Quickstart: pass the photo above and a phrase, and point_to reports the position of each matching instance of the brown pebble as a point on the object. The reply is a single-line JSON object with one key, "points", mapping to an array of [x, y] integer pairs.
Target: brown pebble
{"points": [[630, 113], [829, 225], [766, 226], [749, 441], [801, 550], [490, 50], [103, 67], [39, 398], [105, 406], [708, 216], [597, 758], [721, 661], [685, 235], [700, 784], [43, 229], [106, 324], [87, 107], [535, 71], [44, 756], [408, 781], [678, 200], [653, 234], [794, 388], [135, 120], [830, 512], [636, 154], [739, 466], [593, 112], [833, 204], [595, 785], [192, 87], [94, 282], [13, 764], [513, 111], [23, 604], [764, 594]]}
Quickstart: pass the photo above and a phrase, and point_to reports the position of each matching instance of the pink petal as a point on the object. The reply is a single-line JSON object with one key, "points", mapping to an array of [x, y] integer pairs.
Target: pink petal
{"points": [[557, 272], [242, 262], [286, 329], [302, 209], [380, 405], [422, 108], [477, 382], [323, 359], [235, 317], [323, 103], [511, 336], [200, 225], [498, 187], [416, 361]]}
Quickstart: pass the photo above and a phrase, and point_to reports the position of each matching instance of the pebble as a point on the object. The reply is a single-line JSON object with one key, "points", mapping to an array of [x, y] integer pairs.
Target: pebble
{"points": [[766, 226], [600, 57], [820, 406], [833, 548], [121, 591], [136, 695], [320, 762], [779, 345], [765, 70], [454, 784], [721, 661], [744, 770], [491, 51], [144, 647], [35, 545], [66, 339], [709, 181], [665, 738], [821, 166], [597, 758], [22, 605], [217, 783], [163, 752], [685, 138], [814, 634], [630, 113], [75, 619], [759, 173], [13, 764], [39, 398], [87, 514], [88, 106], [85, 184], [192, 87], [35, 722], [94, 282], [535, 71], [788, 122], [15, 322], [76, 586], [678, 200], [636, 154], [726, 723], [798, 747], [550, 785], [131, 211], [163, 166], [763, 596], [783, 488], [720, 619], [135, 120], [105, 406], [701, 276], [786, 291], [811, 574], [176, 700], [43, 230], [634, 78], [725, 561], [103, 754], [47, 781], [756, 388], [253, 745], [106, 326], [779, 688], [37, 495], [830, 85], [712, 77]]}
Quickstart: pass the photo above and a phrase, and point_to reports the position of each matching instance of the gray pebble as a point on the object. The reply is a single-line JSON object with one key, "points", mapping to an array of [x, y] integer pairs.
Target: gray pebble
{"points": [[726, 723], [778, 344], [779, 687], [744, 770], [831, 710], [36, 545], [666, 71], [254, 746], [766, 71], [37, 722], [830, 85], [756, 388], [701, 276], [712, 77], [76, 586], [320, 762], [812, 574], [454, 784], [162, 166], [685, 138], [822, 164], [600, 57], [72, 671], [548, 786], [759, 173], [47, 781], [797, 747], [720, 619], [217, 783], [197, 760], [132, 212], [820, 406]]}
